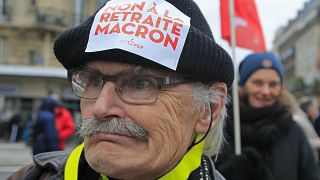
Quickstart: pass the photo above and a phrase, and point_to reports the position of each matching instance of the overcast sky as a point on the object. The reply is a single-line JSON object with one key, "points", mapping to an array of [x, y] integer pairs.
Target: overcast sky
{"points": [[273, 14]]}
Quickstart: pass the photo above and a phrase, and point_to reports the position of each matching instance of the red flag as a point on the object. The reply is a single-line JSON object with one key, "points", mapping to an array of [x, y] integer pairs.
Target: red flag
{"points": [[247, 25]]}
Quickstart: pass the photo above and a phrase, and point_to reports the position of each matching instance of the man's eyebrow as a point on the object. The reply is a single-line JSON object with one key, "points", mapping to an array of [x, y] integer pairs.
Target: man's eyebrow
{"points": [[141, 70], [88, 68]]}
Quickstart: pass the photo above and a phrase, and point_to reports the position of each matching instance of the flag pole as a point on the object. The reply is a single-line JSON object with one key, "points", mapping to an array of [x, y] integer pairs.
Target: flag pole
{"points": [[235, 95]]}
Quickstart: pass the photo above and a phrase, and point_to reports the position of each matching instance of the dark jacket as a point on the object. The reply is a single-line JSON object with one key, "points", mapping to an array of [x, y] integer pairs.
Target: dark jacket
{"points": [[50, 166], [45, 136], [274, 147]]}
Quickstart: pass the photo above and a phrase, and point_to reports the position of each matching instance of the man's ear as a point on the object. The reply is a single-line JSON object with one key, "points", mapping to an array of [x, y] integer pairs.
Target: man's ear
{"points": [[219, 96]]}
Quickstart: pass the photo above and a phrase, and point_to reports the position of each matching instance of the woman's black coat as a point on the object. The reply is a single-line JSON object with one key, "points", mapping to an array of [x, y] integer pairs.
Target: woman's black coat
{"points": [[274, 147]]}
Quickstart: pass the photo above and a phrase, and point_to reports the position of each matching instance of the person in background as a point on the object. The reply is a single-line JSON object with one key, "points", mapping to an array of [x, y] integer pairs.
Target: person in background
{"points": [[44, 133], [274, 147], [27, 135], [14, 124], [153, 88], [64, 123], [28, 131], [301, 118], [318, 55], [311, 107]]}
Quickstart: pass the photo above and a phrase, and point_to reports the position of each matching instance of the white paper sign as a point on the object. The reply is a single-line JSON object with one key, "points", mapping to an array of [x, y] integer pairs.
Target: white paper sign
{"points": [[153, 29]]}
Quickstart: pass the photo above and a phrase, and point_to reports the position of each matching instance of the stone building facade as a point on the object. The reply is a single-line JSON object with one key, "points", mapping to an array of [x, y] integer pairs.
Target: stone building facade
{"points": [[28, 67], [297, 44]]}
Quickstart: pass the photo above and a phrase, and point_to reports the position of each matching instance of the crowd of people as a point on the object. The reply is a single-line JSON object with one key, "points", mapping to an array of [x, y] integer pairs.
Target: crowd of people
{"points": [[52, 126], [145, 117], [46, 128]]}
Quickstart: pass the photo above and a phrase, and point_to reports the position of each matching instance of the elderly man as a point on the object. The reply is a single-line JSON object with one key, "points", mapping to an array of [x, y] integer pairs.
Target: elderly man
{"points": [[153, 86]]}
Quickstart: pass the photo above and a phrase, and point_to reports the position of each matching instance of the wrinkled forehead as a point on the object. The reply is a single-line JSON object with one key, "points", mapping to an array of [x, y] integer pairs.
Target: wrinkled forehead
{"points": [[113, 67]]}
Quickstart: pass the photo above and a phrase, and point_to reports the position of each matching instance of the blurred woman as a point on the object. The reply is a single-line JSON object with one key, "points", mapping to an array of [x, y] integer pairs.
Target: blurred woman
{"points": [[273, 144]]}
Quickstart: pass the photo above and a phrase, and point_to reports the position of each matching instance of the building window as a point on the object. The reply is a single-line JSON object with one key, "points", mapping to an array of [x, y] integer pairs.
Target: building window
{"points": [[32, 2], [35, 58], [288, 53], [2, 50], [3, 8]]}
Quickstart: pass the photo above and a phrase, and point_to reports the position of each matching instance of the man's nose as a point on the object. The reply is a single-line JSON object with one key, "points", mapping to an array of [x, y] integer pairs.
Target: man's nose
{"points": [[108, 103]]}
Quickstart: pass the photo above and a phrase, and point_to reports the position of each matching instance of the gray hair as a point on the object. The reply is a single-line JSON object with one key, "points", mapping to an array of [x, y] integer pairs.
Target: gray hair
{"points": [[206, 95]]}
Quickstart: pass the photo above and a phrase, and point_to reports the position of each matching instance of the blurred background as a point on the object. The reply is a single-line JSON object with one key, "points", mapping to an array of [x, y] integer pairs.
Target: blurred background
{"points": [[291, 30], [28, 67]]}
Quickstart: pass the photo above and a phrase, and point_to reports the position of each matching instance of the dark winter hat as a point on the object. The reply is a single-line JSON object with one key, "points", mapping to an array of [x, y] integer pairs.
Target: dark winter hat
{"points": [[48, 103], [256, 61], [201, 57]]}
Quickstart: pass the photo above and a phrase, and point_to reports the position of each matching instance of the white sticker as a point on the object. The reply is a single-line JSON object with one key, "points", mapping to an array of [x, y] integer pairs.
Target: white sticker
{"points": [[154, 29]]}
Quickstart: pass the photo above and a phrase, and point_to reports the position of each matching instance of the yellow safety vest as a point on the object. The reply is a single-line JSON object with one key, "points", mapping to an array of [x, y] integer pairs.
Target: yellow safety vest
{"points": [[190, 162]]}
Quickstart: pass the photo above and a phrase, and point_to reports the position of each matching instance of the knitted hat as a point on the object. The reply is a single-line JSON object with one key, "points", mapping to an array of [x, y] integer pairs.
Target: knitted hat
{"points": [[201, 57], [256, 61]]}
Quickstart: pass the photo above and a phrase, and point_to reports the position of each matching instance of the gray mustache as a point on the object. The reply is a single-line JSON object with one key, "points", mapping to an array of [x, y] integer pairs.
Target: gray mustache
{"points": [[92, 126]]}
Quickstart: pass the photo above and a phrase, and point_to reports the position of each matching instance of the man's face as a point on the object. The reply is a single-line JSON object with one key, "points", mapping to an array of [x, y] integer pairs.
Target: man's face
{"points": [[169, 122], [263, 88]]}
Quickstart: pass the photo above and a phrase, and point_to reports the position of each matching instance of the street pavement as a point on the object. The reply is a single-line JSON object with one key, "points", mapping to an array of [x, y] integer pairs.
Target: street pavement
{"points": [[13, 156]]}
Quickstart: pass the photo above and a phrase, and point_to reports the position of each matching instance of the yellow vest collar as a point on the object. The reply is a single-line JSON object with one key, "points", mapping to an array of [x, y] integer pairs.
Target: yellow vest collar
{"points": [[190, 162]]}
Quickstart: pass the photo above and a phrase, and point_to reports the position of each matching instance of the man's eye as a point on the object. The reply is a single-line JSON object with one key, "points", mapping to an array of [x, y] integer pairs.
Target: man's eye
{"points": [[95, 81], [140, 83]]}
